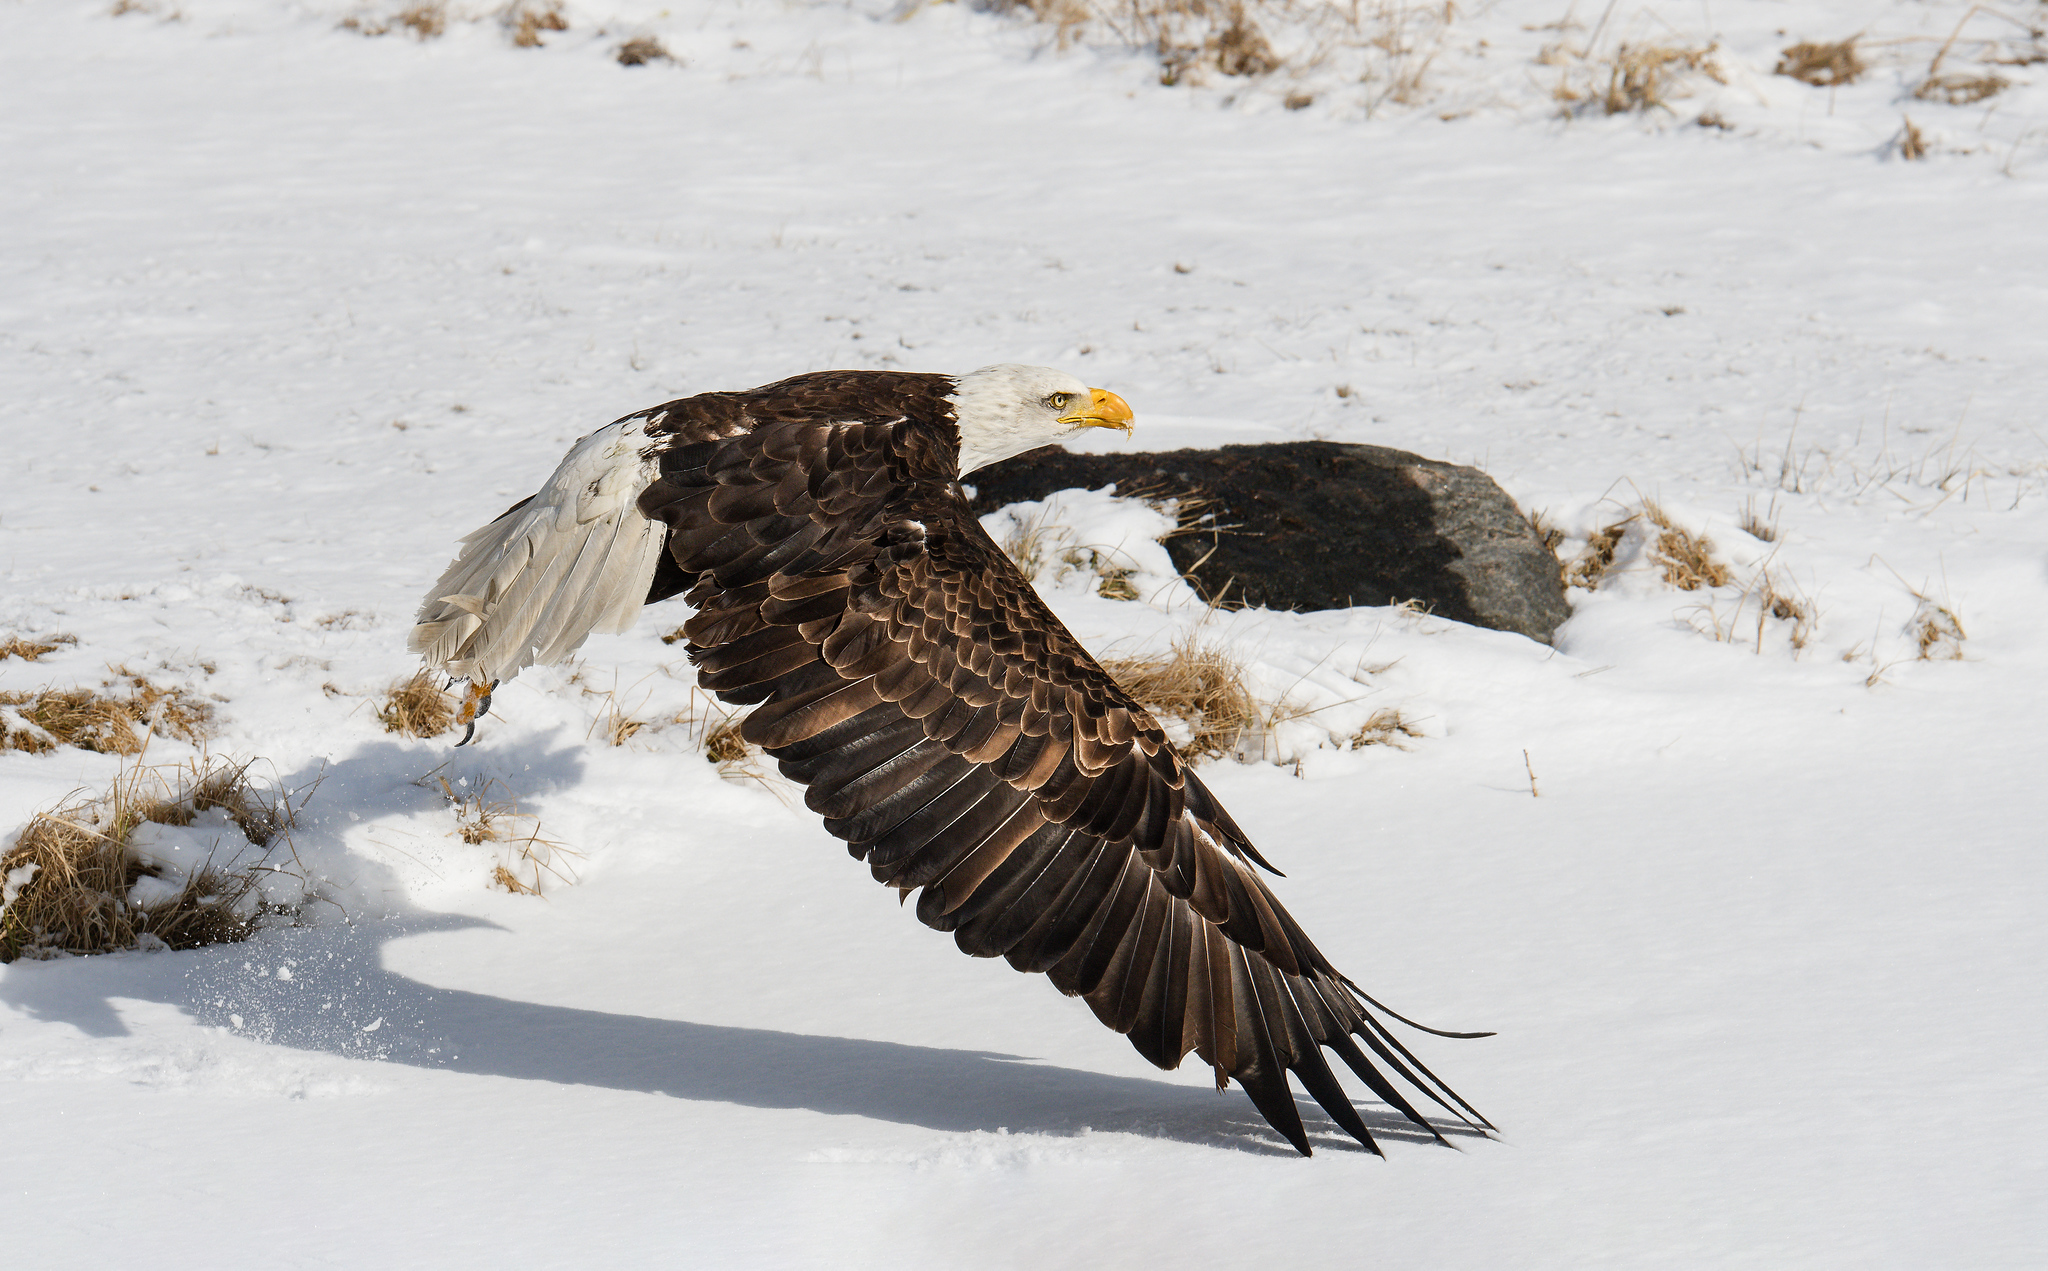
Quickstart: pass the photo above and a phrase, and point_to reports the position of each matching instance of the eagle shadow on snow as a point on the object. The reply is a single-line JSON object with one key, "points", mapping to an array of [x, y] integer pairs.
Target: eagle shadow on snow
{"points": [[341, 1000]]}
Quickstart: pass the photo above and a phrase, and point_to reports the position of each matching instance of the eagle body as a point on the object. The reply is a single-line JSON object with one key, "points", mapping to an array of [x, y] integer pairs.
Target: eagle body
{"points": [[944, 724]]}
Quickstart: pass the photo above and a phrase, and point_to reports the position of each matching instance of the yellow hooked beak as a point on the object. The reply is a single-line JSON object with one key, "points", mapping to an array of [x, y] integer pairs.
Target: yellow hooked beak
{"points": [[1104, 410]]}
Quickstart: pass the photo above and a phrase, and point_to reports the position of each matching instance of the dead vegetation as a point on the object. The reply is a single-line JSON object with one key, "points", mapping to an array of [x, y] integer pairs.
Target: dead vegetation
{"points": [[1645, 77], [1234, 46], [417, 707], [490, 815], [1959, 73], [1591, 565], [75, 882], [1687, 558], [1823, 65], [1200, 686], [642, 50], [1387, 727], [1937, 632], [1961, 90], [426, 20], [526, 21], [100, 721], [1632, 76], [1763, 528], [1385, 46], [28, 649]]}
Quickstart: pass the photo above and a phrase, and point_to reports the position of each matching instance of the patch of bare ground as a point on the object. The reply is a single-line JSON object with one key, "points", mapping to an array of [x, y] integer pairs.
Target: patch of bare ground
{"points": [[81, 879], [417, 707]]}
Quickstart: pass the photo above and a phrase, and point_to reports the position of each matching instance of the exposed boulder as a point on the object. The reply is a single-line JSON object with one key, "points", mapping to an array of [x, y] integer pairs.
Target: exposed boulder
{"points": [[1320, 525]]}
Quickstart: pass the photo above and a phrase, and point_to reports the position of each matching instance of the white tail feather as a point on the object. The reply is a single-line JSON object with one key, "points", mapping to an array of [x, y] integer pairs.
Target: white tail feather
{"points": [[576, 558]]}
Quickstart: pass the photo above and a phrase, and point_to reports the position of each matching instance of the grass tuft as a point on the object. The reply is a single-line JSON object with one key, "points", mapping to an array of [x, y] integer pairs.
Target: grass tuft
{"points": [[1938, 632], [1823, 65], [527, 20], [1962, 90], [1591, 565], [1202, 687], [1755, 525], [643, 49], [417, 707], [72, 884], [1636, 78], [1387, 727], [99, 722], [1687, 558], [483, 818], [28, 650]]}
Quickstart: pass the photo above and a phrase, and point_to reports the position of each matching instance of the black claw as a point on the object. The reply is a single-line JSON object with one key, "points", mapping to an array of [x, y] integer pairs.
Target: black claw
{"points": [[473, 710]]}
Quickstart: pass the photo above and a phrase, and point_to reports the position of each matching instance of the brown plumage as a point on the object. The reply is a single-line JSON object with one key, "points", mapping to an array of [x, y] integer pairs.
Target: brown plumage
{"points": [[962, 742]]}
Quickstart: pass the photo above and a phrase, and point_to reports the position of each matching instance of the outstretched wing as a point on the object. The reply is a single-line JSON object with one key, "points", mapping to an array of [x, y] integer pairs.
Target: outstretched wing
{"points": [[575, 558], [961, 741]]}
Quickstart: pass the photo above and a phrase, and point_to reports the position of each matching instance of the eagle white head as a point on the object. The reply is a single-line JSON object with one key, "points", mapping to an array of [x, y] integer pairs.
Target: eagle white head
{"points": [[1009, 409]]}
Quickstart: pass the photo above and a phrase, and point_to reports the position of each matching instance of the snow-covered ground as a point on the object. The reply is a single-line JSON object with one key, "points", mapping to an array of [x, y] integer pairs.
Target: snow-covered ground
{"points": [[285, 310]]}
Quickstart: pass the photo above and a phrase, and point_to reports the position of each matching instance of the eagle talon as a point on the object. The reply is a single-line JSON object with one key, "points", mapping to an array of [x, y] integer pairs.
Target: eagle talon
{"points": [[476, 703]]}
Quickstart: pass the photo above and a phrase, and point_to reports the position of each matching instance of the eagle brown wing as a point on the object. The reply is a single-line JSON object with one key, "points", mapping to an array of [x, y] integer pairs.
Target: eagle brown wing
{"points": [[961, 741]]}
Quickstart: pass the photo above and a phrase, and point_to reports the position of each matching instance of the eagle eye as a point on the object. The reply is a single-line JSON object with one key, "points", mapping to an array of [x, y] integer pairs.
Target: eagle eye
{"points": [[1058, 401]]}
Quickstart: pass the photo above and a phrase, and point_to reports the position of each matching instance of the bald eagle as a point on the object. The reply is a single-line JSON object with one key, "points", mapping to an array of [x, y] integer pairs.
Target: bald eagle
{"points": [[942, 721]]}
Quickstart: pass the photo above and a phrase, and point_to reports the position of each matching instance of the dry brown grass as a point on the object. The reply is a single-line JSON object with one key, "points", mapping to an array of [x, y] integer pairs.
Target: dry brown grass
{"points": [[1764, 527], [642, 50], [425, 20], [28, 650], [491, 815], [1937, 632], [1643, 77], [1912, 142], [1637, 77], [527, 20], [70, 874], [1591, 565], [1387, 727], [1963, 89], [615, 723], [1687, 558], [1776, 599], [417, 707], [42, 720], [1387, 45], [1202, 687], [723, 744], [1823, 65]]}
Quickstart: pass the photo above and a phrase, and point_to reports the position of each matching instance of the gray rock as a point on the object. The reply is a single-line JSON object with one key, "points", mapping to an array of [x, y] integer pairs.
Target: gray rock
{"points": [[1318, 525]]}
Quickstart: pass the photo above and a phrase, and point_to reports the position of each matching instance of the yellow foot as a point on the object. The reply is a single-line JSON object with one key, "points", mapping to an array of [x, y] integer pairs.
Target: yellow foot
{"points": [[476, 703]]}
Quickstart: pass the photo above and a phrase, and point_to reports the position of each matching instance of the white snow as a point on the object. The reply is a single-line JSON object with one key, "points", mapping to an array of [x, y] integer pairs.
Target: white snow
{"points": [[285, 311]]}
